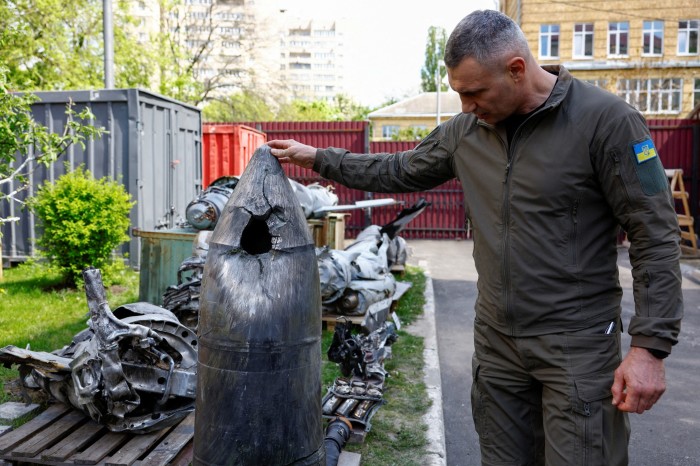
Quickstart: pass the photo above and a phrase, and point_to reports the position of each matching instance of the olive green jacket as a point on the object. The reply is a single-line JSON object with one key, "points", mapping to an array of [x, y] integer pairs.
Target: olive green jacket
{"points": [[545, 211]]}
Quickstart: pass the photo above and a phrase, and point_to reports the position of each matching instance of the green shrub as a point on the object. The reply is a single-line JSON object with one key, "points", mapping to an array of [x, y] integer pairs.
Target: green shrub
{"points": [[82, 221]]}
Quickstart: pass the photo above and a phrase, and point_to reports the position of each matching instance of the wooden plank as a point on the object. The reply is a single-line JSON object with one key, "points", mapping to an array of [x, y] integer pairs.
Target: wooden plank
{"points": [[184, 458], [50, 435], [29, 429], [103, 447], [74, 442], [172, 444], [134, 448]]}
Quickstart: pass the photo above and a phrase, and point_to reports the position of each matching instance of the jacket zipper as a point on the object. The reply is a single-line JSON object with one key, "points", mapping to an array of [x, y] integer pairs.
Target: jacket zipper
{"points": [[506, 244], [507, 295], [574, 232]]}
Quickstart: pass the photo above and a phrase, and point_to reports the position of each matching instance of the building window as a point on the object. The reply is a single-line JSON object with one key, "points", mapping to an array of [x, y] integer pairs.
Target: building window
{"points": [[688, 37], [602, 83], [652, 95], [618, 37], [389, 130], [583, 40], [653, 38], [696, 93], [549, 41]]}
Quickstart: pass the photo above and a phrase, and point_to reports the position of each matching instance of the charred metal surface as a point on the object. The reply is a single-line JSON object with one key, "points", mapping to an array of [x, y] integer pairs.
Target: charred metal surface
{"points": [[362, 355], [358, 394], [183, 299], [313, 198], [204, 211], [358, 276], [260, 330], [131, 370]]}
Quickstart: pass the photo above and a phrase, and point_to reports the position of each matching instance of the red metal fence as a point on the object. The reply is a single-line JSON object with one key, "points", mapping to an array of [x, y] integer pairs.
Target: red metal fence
{"points": [[678, 143]]}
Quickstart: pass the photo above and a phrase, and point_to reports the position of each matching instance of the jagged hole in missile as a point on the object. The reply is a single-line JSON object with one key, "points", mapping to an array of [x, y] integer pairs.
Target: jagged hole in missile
{"points": [[256, 237]]}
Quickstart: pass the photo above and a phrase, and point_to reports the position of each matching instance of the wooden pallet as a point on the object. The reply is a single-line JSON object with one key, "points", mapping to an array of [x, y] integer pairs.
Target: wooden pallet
{"points": [[62, 435]]}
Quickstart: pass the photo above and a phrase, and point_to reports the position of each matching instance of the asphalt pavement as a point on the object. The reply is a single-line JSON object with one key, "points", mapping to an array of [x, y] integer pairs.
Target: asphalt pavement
{"points": [[667, 435]]}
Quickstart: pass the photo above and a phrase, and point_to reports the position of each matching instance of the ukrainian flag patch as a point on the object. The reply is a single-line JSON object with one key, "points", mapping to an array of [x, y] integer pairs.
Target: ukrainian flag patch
{"points": [[644, 151]]}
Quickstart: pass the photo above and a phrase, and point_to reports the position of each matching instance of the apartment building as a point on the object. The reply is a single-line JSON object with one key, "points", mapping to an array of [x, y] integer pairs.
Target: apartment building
{"points": [[645, 51], [312, 59], [248, 44]]}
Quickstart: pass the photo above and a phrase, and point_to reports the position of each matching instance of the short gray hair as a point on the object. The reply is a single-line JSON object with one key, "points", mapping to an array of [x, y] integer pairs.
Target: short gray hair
{"points": [[487, 36]]}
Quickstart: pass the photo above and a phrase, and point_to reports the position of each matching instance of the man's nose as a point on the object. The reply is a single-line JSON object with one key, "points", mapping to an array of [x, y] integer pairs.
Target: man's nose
{"points": [[468, 105]]}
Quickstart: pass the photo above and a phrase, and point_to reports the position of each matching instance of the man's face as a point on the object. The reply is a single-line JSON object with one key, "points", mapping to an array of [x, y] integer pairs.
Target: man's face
{"points": [[488, 94]]}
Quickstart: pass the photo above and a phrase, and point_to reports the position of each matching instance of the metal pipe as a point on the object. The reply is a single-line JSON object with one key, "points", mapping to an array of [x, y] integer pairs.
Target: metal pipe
{"points": [[108, 43]]}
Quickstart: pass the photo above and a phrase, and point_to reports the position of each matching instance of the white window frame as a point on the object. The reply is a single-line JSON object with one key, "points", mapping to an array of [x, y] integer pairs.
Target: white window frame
{"points": [[696, 92], [581, 41], [390, 130], [615, 36], [685, 36], [660, 96], [649, 31], [547, 34]]}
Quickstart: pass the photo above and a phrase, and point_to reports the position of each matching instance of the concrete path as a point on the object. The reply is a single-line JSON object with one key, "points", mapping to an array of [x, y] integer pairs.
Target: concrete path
{"points": [[669, 434]]}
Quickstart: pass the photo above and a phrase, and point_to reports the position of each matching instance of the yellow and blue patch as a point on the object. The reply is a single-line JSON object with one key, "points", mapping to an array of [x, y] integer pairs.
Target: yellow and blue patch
{"points": [[644, 151], [650, 172]]}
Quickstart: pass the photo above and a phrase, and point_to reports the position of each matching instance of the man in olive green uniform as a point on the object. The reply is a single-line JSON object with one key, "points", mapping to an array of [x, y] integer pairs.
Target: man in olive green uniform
{"points": [[550, 166]]}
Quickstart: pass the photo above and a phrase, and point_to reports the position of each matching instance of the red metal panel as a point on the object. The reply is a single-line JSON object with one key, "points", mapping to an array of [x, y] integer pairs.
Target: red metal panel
{"points": [[379, 147], [226, 149], [350, 135], [674, 141]]}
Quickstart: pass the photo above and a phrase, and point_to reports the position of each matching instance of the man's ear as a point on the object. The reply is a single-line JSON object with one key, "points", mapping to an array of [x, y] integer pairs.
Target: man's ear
{"points": [[516, 68]]}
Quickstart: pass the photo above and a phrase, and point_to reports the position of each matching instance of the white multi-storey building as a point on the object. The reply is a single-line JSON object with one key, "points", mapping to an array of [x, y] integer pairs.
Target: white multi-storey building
{"points": [[312, 59], [243, 44]]}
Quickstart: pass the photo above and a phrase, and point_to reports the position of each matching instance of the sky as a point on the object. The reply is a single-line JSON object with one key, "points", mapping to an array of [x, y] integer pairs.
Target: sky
{"points": [[385, 40]]}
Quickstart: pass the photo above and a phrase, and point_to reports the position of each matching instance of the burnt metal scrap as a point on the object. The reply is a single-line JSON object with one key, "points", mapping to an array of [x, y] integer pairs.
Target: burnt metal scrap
{"points": [[258, 384], [357, 395], [131, 370], [362, 355], [183, 298], [204, 211]]}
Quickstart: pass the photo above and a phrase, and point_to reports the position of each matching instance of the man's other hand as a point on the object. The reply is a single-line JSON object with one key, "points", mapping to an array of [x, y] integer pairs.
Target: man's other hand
{"points": [[639, 381]]}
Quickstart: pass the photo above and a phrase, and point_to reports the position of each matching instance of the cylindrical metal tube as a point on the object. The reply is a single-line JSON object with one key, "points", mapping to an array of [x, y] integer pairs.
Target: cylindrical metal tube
{"points": [[260, 330]]}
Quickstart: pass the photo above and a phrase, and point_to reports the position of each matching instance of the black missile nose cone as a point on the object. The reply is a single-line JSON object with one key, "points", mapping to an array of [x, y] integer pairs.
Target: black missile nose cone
{"points": [[263, 213]]}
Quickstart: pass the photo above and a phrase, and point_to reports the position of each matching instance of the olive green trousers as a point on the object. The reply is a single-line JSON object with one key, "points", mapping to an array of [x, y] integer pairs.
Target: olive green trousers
{"points": [[546, 400]]}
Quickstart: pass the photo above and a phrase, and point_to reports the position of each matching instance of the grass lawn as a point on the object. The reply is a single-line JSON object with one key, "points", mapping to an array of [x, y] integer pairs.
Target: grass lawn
{"points": [[35, 310]]}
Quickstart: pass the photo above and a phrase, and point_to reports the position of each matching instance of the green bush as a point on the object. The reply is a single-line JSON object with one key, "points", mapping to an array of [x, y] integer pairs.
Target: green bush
{"points": [[82, 220]]}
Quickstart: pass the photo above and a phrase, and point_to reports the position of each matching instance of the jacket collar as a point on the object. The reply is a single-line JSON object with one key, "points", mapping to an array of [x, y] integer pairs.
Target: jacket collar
{"points": [[561, 87]]}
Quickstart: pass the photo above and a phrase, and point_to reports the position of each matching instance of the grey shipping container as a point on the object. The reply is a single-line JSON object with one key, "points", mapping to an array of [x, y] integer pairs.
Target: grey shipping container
{"points": [[153, 147]]}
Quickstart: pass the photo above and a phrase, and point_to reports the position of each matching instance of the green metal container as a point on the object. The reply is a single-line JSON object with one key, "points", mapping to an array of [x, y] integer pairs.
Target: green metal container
{"points": [[162, 252]]}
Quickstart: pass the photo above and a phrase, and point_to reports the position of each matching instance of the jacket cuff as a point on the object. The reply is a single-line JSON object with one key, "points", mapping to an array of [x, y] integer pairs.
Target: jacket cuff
{"points": [[318, 161], [651, 343]]}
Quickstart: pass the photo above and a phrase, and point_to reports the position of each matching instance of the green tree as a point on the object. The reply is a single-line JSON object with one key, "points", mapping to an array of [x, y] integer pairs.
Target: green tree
{"points": [[410, 134], [316, 110], [58, 45], [25, 144], [241, 106], [349, 109], [341, 108], [82, 220], [434, 52]]}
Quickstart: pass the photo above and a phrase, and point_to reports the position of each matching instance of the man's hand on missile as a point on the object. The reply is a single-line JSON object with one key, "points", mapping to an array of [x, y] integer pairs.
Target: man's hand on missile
{"points": [[291, 151]]}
